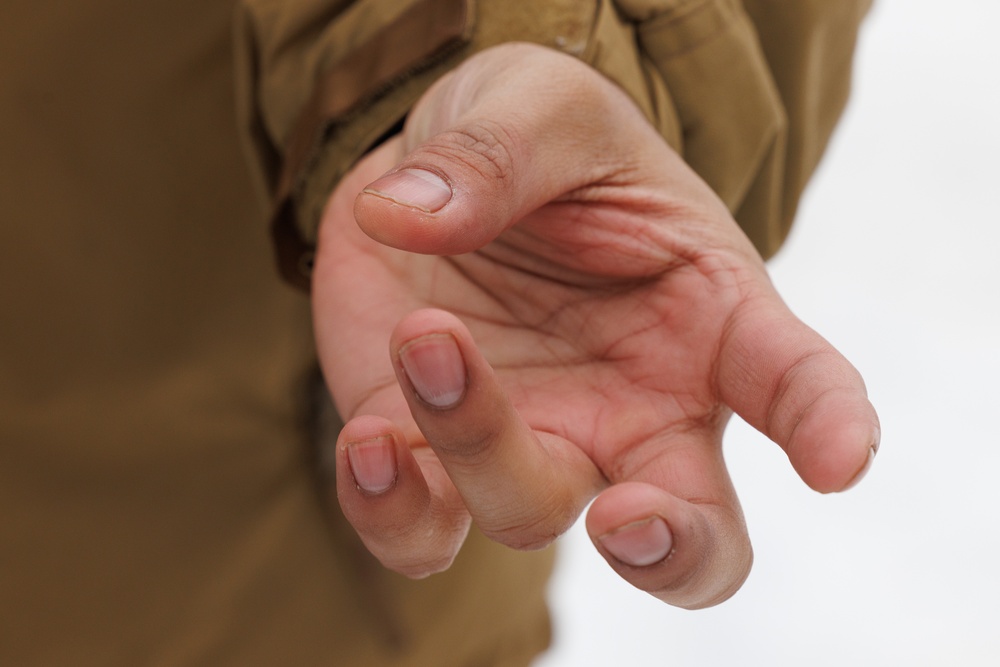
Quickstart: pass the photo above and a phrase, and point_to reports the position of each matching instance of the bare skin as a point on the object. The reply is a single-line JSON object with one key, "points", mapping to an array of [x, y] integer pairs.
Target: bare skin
{"points": [[527, 301]]}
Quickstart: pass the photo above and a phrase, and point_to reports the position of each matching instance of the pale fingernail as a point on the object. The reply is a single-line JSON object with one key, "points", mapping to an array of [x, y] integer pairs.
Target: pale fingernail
{"points": [[435, 368], [860, 475], [640, 543], [416, 188], [373, 464]]}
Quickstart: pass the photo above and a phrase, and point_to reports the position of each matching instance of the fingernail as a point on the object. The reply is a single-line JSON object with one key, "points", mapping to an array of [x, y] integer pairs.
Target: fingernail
{"points": [[373, 464], [864, 469], [416, 188], [435, 368], [641, 543]]}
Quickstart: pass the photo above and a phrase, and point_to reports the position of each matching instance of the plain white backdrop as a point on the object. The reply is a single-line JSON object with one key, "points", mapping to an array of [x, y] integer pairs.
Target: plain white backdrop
{"points": [[895, 259]]}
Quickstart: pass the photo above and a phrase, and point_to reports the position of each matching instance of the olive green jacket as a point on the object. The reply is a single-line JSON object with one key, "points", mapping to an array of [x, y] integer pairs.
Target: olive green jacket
{"points": [[160, 501]]}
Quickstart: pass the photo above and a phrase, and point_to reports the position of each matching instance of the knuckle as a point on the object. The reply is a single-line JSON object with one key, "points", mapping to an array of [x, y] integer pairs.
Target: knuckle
{"points": [[794, 394], [475, 451], [419, 552], [534, 532], [485, 147]]}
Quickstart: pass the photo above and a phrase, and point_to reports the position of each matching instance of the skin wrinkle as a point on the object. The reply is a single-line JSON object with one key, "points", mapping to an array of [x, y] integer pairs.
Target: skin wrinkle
{"points": [[456, 265], [662, 319], [567, 124], [651, 448], [516, 314], [565, 305], [560, 509], [433, 298], [482, 146], [509, 307], [663, 234], [748, 296], [585, 352], [475, 452], [500, 249], [585, 259], [587, 439], [487, 292], [369, 395], [545, 436], [461, 264], [607, 354], [541, 531], [780, 395]]}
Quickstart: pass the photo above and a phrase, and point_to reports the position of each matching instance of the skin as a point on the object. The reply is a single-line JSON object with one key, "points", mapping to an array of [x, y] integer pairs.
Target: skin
{"points": [[554, 308]]}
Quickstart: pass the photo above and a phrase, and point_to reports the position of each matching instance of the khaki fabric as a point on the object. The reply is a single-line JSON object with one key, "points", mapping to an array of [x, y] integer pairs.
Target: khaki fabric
{"points": [[748, 91], [160, 502], [158, 498]]}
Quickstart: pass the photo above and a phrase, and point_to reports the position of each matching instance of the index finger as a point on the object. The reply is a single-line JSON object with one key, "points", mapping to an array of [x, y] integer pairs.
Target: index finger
{"points": [[522, 488]]}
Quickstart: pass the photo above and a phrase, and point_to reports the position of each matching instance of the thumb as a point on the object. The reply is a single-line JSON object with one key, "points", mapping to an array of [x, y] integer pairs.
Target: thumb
{"points": [[496, 140]]}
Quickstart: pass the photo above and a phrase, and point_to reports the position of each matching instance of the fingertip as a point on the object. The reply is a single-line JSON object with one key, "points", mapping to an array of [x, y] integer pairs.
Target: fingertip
{"points": [[371, 452], [429, 349], [373, 464], [408, 209], [406, 512], [688, 555], [435, 369], [863, 472], [431, 203], [834, 445]]}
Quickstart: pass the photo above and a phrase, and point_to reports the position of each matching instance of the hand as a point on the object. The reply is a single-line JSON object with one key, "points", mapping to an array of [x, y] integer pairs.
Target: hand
{"points": [[568, 312]]}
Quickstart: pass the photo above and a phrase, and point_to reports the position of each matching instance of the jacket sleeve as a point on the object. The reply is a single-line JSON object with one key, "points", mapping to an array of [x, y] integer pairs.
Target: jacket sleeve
{"points": [[757, 87], [747, 91]]}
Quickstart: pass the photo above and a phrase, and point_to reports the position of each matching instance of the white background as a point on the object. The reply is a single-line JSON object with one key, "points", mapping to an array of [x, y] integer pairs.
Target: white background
{"points": [[896, 260]]}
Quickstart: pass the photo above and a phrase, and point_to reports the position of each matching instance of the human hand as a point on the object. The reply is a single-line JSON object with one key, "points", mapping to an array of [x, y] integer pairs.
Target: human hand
{"points": [[540, 303]]}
